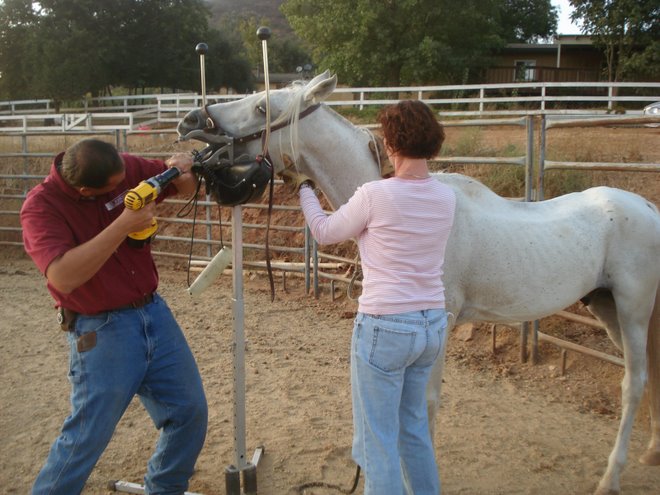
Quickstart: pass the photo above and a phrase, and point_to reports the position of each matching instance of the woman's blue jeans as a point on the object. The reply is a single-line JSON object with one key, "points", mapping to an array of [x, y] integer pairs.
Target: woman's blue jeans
{"points": [[138, 351], [391, 361]]}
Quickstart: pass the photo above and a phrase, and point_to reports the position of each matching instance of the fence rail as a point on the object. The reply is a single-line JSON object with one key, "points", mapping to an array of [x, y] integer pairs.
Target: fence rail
{"points": [[12, 197], [134, 111]]}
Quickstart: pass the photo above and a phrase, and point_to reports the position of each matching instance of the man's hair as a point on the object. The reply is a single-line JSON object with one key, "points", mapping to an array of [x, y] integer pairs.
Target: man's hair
{"points": [[411, 129], [90, 163]]}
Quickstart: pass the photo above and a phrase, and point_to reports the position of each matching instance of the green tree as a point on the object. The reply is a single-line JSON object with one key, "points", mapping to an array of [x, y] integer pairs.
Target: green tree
{"points": [[285, 52], [394, 42], [628, 31], [17, 32], [71, 45], [526, 21], [70, 48]]}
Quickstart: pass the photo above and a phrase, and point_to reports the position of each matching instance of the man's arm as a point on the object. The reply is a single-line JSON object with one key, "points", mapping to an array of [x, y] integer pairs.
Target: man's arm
{"points": [[75, 267]]}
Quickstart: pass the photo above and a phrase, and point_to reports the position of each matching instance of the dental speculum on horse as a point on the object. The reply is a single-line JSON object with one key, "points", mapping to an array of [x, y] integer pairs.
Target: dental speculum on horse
{"points": [[601, 245]]}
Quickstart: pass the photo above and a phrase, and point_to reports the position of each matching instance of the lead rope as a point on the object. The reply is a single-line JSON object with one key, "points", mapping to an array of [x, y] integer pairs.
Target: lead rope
{"points": [[269, 268], [356, 273], [322, 484], [184, 211]]}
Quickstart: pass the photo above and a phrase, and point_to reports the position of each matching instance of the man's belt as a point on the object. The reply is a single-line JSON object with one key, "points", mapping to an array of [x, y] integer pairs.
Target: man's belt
{"points": [[67, 317]]}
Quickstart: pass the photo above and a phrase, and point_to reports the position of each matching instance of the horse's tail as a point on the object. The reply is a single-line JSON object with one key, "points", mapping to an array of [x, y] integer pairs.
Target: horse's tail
{"points": [[652, 455]]}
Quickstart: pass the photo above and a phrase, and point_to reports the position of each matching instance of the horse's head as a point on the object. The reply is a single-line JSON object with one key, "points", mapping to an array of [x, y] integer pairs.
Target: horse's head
{"points": [[236, 134], [244, 120]]}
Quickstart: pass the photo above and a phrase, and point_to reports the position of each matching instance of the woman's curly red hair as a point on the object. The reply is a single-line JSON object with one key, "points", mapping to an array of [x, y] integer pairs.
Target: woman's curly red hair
{"points": [[410, 129]]}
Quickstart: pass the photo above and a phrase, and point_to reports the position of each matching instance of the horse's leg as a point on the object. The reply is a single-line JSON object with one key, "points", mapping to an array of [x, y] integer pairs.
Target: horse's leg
{"points": [[433, 390], [633, 316], [652, 454], [434, 387]]}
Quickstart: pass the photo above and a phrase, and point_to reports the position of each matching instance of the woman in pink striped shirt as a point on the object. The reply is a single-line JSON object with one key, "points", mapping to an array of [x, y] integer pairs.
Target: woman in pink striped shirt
{"points": [[402, 225]]}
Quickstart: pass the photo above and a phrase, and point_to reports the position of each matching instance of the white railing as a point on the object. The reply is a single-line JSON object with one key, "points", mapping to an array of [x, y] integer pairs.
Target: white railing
{"points": [[470, 99]]}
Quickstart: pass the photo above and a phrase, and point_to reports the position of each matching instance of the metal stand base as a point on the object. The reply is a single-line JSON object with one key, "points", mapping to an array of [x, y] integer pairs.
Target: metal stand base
{"points": [[127, 487], [232, 479], [249, 471]]}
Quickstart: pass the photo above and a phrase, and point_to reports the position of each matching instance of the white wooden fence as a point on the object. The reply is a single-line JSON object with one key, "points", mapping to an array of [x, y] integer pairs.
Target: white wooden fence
{"points": [[139, 111]]}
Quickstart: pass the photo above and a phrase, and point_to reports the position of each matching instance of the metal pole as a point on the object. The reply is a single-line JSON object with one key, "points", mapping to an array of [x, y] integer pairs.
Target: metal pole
{"points": [[241, 465], [307, 250], [263, 33], [529, 170], [201, 49], [540, 193], [529, 161], [239, 339]]}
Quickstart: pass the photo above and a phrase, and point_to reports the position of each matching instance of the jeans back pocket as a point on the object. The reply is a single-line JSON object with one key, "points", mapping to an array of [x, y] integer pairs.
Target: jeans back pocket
{"points": [[391, 349]]}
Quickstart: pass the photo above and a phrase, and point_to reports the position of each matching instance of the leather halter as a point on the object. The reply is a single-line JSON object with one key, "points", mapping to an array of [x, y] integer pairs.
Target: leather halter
{"points": [[212, 125]]}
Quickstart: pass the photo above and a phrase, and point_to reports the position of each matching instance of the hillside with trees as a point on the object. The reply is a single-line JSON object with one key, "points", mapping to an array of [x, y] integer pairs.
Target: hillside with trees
{"points": [[261, 9], [66, 50]]}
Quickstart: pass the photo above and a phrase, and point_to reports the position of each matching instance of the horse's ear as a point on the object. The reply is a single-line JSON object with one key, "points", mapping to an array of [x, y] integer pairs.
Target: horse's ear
{"points": [[319, 88]]}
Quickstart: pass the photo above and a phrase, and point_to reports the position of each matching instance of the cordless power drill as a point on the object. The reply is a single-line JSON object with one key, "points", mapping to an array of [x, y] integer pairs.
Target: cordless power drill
{"points": [[141, 195]]}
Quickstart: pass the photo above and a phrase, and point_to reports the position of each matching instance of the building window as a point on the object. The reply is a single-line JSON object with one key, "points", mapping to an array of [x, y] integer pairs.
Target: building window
{"points": [[525, 70]]}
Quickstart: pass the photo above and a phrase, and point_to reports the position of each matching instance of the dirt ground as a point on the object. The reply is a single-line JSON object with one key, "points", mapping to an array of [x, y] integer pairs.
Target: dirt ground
{"points": [[504, 427]]}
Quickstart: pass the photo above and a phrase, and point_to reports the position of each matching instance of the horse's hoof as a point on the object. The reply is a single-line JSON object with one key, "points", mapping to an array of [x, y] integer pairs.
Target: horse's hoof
{"points": [[650, 458], [606, 491]]}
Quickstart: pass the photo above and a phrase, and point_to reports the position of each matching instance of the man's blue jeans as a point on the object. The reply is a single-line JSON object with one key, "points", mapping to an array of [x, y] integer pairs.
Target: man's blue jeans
{"points": [[391, 361], [138, 351]]}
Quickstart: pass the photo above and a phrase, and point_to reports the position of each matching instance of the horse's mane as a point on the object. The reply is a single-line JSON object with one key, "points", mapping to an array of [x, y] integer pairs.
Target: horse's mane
{"points": [[290, 116]]}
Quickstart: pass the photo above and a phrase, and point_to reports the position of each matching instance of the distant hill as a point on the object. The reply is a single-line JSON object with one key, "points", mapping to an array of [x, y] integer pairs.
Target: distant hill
{"points": [[259, 8]]}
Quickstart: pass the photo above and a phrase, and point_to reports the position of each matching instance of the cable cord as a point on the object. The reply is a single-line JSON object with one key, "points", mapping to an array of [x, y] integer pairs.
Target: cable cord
{"points": [[322, 484]]}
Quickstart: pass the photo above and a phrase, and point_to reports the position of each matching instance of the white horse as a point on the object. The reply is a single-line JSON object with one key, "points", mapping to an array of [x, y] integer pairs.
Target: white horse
{"points": [[506, 261]]}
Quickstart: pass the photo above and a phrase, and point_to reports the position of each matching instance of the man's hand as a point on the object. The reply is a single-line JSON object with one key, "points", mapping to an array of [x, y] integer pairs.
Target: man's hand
{"points": [[182, 161], [186, 183], [136, 220], [294, 178]]}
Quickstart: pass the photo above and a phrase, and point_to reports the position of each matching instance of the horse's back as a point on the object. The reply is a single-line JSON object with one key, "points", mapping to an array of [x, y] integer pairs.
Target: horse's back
{"points": [[513, 261]]}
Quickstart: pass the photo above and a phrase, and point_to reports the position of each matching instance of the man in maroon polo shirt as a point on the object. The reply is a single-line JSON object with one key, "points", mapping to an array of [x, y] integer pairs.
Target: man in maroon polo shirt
{"points": [[123, 338]]}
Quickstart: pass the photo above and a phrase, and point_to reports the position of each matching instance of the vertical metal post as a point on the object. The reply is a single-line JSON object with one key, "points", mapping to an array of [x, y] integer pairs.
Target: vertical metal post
{"points": [[535, 342], [315, 262], [239, 338], [202, 49], [543, 98], [26, 162], [540, 193], [263, 33], [232, 481], [529, 174], [308, 253], [529, 159], [524, 332]]}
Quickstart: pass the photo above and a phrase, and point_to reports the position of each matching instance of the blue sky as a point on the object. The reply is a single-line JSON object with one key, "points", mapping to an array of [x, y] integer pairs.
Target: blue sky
{"points": [[565, 26]]}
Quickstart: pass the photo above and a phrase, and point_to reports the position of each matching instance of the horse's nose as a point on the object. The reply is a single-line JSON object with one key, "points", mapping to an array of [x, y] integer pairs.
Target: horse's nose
{"points": [[190, 122], [192, 119]]}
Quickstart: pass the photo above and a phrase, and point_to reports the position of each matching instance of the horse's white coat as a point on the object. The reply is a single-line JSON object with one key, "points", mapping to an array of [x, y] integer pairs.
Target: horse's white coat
{"points": [[506, 261]]}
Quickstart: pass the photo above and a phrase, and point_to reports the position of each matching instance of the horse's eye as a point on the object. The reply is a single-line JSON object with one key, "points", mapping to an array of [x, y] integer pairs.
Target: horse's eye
{"points": [[261, 109]]}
